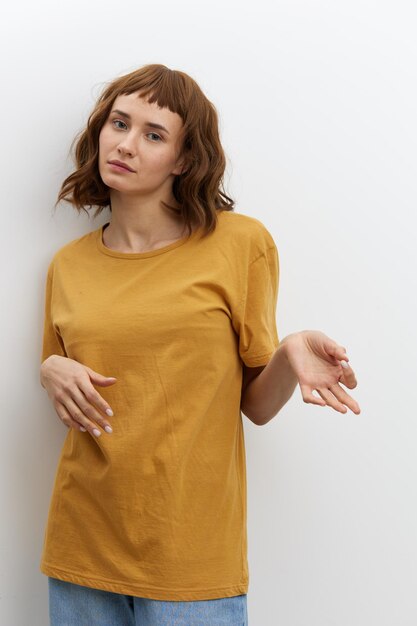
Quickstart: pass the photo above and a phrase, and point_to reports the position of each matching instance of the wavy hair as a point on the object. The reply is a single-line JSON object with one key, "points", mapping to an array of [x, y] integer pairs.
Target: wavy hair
{"points": [[199, 189]]}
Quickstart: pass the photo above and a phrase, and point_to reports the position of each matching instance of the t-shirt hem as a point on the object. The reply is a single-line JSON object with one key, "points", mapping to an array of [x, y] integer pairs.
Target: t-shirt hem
{"points": [[152, 593]]}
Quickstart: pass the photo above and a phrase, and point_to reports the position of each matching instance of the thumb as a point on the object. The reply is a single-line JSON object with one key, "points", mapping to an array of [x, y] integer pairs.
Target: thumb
{"points": [[99, 379], [338, 353]]}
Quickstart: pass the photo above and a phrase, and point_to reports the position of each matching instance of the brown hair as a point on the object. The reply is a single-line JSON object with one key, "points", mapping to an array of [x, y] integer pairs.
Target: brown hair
{"points": [[199, 188]]}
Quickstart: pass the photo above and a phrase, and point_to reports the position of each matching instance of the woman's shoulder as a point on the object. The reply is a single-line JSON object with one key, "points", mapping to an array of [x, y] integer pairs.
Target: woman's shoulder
{"points": [[74, 247], [248, 230]]}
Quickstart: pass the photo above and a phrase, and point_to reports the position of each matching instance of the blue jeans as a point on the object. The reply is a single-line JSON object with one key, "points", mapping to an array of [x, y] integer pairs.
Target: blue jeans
{"points": [[76, 605]]}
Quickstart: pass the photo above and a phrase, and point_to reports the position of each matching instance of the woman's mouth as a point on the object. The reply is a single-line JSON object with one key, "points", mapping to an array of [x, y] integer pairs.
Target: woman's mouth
{"points": [[119, 168]]}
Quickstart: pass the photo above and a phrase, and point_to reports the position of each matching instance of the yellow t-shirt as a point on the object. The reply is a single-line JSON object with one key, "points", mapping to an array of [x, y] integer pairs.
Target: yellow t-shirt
{"points": [[157, 509]]}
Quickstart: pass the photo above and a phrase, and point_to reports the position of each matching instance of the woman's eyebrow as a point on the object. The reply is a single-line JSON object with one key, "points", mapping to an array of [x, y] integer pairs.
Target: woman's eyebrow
{"points": [[151, 124]]}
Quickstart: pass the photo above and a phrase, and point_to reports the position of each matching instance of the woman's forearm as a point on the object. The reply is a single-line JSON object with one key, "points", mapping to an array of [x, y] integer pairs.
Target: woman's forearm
{"points": [[266, 394]]}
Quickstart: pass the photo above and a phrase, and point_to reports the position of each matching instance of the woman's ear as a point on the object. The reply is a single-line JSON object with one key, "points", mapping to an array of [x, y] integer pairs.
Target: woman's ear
{"points": [[182, 164], [180, 169]]}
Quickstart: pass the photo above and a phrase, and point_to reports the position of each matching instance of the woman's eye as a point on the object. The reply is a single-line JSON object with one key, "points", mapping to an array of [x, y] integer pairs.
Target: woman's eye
{"points": [[121, 122], [115, 121]]}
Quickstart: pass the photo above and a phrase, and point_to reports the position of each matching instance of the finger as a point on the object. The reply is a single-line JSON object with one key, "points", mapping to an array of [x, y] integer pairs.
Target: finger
{"points": [[309, 397], [94, 397], [331, 400], [89, 410], [78, 416], [345, 398], [337, 351], [65, 417], [347, 376], [100, 379]]}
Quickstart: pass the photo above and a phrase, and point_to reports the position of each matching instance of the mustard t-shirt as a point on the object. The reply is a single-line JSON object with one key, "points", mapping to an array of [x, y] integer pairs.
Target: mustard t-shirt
{"points": [[158, 508]]}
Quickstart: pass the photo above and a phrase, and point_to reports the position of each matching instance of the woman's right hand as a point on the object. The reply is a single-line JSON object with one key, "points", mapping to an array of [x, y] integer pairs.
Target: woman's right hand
{"points": [[69, 386]]}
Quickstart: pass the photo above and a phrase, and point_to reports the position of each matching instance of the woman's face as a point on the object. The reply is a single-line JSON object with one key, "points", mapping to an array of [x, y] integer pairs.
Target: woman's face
{"points": [[128, 136]]}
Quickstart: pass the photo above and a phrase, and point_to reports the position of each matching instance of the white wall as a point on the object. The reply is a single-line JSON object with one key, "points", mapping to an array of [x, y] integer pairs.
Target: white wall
{"points": [[317, 102]]}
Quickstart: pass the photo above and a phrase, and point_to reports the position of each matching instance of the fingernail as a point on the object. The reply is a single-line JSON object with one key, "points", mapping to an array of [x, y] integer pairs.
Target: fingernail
{"points": [[109, 412], [83, 429], [344, 364], [108, 429], [96, 432]]}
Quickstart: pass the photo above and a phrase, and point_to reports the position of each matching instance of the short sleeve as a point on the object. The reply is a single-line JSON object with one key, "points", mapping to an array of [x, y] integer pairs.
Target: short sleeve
{"points": [[52, 341], [255, 321]]}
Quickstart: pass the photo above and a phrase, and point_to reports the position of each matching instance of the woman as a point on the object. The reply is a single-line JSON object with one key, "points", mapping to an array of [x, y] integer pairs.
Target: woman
{"points": [[170, 308]]}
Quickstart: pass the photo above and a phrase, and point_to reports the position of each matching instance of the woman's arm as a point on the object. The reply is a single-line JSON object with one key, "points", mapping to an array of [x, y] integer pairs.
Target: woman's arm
{"points": [[268, 388], [308, 358]]}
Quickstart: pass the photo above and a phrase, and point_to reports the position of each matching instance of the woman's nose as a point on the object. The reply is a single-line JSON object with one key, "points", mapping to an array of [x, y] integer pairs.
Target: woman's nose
{"points": [[125, 148], [127, 145]]}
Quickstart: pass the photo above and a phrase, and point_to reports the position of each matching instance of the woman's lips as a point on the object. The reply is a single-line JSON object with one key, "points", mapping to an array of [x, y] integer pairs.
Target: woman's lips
{"points": [[119, 168]]}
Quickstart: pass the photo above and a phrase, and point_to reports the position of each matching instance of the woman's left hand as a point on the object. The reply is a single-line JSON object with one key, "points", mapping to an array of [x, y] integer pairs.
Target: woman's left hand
{"points": [[317, 362]]}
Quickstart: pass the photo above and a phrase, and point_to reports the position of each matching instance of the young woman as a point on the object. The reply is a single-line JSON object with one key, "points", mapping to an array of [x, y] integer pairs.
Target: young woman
{"points": [[169, 308]]}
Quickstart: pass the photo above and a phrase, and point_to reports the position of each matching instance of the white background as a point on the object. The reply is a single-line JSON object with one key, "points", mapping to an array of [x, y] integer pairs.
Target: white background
{"points": [[317, 104]]}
